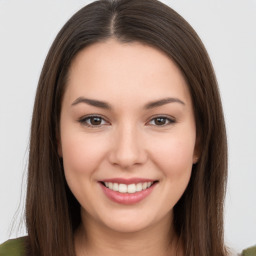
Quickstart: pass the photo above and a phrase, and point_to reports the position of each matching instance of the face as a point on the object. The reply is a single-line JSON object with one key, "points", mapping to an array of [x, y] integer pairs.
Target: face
{"points": [[127, 135]]}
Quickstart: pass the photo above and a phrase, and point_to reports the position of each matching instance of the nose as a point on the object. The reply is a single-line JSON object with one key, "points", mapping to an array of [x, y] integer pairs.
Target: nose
{"points": [[127, 149]]}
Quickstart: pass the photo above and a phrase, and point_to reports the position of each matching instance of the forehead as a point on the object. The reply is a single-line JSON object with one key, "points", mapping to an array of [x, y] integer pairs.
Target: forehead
{"points": [[122, 70]]}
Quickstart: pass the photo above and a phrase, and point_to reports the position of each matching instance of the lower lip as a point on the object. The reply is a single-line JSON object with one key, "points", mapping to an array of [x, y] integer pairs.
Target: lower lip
{"points": [[127, 198]]}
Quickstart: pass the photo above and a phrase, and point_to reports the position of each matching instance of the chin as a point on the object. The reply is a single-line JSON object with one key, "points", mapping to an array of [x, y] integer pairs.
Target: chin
{"points": [[127, 227], [131, 222]]}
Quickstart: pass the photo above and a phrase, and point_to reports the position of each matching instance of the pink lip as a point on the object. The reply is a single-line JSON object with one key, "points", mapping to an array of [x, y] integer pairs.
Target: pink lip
{"points": [[127, 181], [127, 198]]}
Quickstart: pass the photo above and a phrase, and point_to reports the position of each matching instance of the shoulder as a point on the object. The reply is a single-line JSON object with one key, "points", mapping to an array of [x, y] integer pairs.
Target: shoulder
{"points": [[250, 251], [13, 247]]}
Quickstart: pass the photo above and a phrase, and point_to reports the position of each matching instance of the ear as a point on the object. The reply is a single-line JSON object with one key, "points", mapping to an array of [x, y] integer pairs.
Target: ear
{"points": [[195, 159], [197, 151]]}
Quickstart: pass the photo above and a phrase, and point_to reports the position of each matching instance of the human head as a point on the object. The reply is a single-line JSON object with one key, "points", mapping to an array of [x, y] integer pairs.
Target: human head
{"points": [[198, 214]]}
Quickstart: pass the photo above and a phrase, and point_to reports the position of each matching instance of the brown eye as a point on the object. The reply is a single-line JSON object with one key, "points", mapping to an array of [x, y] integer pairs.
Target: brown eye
{"points": [[93, 121], [161, 121]]}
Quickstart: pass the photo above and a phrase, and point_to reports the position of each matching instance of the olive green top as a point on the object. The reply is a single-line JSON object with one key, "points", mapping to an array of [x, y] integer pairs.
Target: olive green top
{"points": [[16, 247], [250, 251], [13, 247]]}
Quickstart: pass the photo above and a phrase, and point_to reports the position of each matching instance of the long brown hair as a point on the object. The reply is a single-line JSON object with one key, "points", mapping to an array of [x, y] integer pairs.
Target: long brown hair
{"points": [[52, 212]]}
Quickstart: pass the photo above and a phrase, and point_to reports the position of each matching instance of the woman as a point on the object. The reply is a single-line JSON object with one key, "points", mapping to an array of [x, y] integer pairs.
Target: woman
{"points": [[128, 151]]}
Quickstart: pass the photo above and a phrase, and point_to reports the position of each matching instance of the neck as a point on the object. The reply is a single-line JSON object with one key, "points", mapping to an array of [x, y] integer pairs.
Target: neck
{"points": [[97, 239]]}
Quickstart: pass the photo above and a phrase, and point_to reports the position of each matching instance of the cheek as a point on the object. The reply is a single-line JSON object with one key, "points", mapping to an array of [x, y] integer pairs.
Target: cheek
{"points": [[81, 154], [174, 160], [174, 155], [81, 157]]}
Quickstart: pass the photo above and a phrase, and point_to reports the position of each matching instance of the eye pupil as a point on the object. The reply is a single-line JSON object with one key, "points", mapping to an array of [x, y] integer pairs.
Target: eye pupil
{"points": [[160, 121], [95, 120]]}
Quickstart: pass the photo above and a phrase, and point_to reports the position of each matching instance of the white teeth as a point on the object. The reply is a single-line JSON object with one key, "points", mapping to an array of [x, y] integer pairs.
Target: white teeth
{"points": [[115, 187], [131, 188], [122, 188], [138, 187], [144, 185]]}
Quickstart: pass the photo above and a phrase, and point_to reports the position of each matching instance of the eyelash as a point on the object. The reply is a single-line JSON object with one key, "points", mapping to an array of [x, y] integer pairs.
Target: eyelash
{"points": [[84, 121], [168, 120]]}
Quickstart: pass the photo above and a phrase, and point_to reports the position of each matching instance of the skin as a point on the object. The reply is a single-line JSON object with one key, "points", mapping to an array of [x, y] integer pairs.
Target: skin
{"points": [[127, 142]]}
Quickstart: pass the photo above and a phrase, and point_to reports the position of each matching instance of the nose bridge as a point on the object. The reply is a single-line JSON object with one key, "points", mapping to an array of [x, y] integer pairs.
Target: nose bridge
{"points": [[127, 147]]}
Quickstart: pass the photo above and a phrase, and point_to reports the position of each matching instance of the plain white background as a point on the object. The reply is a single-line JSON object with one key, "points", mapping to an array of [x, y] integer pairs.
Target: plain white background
{"points": [[228, 30]]}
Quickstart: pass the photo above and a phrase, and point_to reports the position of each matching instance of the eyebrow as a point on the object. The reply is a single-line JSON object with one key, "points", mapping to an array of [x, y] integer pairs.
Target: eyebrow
{"points": [[105, 105], [95, 103], [162, 102]]}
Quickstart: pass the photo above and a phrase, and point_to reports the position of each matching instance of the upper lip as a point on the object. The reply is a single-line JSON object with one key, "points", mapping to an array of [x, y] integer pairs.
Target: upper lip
{"points": [[127, 181]]}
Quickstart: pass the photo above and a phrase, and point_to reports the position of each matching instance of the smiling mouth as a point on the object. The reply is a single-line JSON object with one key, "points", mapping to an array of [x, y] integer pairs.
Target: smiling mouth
{"points": [[128, 188]]}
